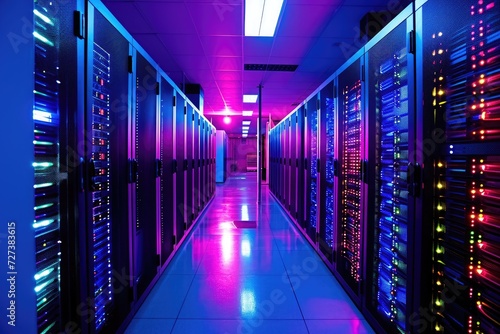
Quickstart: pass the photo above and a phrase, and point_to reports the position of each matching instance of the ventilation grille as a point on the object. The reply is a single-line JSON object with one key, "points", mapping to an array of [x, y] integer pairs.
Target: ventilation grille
{"points": [[271, 67]]}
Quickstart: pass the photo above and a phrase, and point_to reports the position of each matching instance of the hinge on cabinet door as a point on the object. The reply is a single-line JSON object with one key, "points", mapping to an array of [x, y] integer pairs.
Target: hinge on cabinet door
{"points": [[317, 104], [317, 237], [305, 163], [362, 72], [412, 42], [335, 167], [192, 116], [414, 179], [334, 255], [318, 166], [296, 118], [132, 170], [334, 91], [174, 100], [79, 24], [130, 65], [364, 171], [157, 88], [185, 110], [185, 225], [173, 240], [174, 166]]}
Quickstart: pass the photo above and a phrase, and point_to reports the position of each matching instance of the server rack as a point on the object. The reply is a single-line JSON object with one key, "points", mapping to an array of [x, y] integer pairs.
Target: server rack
{"points": [[459, 77], [145, 154], [47, 190], [313, 177], [326, 237], [188, 166], [197, 165], [305, 166], [180, 121], [167, 166], [105, 186], [392, 283], [293, 165]]}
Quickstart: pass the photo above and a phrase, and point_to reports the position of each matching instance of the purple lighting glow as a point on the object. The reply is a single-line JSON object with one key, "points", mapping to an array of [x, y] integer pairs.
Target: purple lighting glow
{"points": [[227, 120]]}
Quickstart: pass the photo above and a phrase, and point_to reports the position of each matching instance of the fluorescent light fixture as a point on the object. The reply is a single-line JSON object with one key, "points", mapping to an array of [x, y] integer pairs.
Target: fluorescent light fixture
{"points": [[261, 17], [227, 119], [246, 122], [247, 113], [245, 135], [249, 98], [245, 128]]}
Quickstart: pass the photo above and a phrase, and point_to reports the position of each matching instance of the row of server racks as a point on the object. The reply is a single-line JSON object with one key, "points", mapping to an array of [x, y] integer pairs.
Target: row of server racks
{"points": [[391, 169], [121, 165]]}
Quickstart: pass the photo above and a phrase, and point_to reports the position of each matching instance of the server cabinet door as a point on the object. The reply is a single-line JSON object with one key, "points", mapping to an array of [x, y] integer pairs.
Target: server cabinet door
{"points": [[350, 210], [54, 154], [167, 193], [203, 159], [313, 175], [327, 151], [180, 156], [302, 168], [197, 165], [390, 92], [460, 80], [188, 181], [107, 122], [146, 261], [293, 164]]}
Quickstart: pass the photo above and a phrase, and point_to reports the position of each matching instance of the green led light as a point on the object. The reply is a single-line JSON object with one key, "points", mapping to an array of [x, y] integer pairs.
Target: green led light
{"points": [[39, 288], [43, 223], [39, 93], [43, 185], [42, 38], [43, 17], [43, 206], [47, 330], [43, 164], [43, 274], [45, 143]]}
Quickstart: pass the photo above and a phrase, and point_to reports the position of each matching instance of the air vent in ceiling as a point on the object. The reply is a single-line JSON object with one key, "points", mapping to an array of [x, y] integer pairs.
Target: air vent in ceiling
{"points": [[270, 67]]}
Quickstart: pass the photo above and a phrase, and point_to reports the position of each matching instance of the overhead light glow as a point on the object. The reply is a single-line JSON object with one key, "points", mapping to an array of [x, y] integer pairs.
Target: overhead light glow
{"points": [[227, 119], [244, 135], [246, 122], [245, 128], [249, 98], [261, 17], [247, 113]]}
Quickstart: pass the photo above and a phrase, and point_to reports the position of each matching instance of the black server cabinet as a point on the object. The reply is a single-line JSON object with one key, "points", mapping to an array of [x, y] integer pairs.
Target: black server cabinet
{"points": [[281, 158], [197, 165], [203, 161], [146, 261], [326, 237], [179, 109], [302, 167], [54, 93], [293, 164], [167, 175], [460, 81], [107, 140], [391, 225], [349, 227], [286, 163], [313, 175], [188, 166]]}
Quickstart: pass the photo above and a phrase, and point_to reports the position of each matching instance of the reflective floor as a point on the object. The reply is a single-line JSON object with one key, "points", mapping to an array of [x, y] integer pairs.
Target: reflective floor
{"points": [[252, 279]]}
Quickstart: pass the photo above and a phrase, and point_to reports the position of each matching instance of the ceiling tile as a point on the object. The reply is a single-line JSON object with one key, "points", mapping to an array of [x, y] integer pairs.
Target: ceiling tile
{"points": [[304, 20], [167, 17], [129, 16], [177, 45], [226, 63], [257, 46], [291, 46], [227, 46], [217, 18]]}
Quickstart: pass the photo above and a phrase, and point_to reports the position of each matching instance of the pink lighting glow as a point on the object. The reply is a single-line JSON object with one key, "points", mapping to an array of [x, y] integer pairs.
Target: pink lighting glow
{"points": [[227, 120]]}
